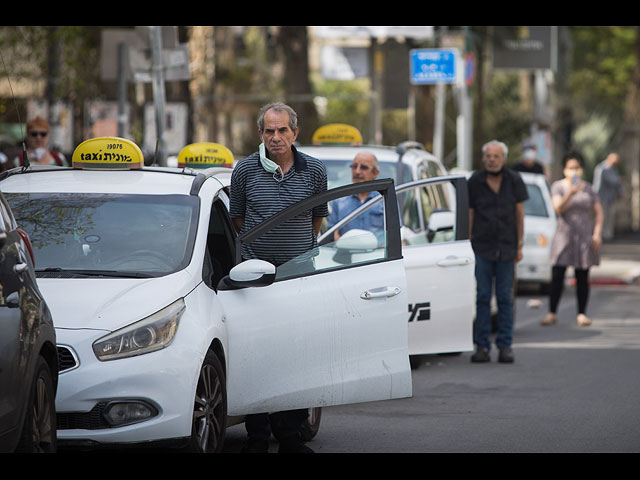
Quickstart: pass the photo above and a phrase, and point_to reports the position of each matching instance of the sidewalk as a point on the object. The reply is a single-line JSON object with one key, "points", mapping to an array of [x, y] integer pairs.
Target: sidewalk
{"points": [[619, 261]]}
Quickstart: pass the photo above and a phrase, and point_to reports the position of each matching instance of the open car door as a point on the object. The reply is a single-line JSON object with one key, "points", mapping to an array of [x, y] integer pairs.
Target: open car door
{"points": [[439, 263], [326, 328]]}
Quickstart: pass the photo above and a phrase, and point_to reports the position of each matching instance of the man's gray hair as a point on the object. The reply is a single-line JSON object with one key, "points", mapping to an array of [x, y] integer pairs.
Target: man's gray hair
{"points": [[278, 107], [504, 148]]}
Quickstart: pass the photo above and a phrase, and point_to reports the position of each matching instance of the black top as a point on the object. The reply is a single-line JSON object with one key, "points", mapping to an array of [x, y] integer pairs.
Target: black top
{"points": [[495, 234]]}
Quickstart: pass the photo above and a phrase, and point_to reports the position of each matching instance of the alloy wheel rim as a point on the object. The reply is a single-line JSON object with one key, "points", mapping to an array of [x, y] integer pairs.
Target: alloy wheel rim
{"points": [[207, 419]]}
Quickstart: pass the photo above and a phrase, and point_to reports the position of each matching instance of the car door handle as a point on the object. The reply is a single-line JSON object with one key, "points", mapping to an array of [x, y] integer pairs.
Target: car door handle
{"points": [[20, 267], [380, 293], [453, 261]]}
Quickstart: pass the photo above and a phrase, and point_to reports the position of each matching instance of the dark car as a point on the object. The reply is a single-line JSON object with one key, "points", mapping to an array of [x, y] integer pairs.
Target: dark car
{"points": [[28, 357]]}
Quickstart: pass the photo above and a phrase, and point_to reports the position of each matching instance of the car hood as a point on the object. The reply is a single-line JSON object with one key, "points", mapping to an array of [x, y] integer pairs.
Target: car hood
{"points": [[110, 303]]}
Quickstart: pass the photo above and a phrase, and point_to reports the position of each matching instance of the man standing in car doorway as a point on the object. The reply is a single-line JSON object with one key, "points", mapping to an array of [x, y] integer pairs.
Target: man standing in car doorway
{"points": [[262, 185], [496, 226]]}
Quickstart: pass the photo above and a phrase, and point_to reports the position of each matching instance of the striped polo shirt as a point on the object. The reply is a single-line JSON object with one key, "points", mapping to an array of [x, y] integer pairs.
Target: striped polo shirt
{"points": [[257, 194]]}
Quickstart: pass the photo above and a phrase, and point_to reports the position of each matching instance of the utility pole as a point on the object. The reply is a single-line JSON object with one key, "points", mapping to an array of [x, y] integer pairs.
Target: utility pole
{"points": [[157, 80]]}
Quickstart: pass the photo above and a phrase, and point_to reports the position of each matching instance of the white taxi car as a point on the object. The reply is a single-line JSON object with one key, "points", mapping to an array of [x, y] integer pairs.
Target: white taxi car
{"points": [[438, 257], [539, 228], [165, 335]]}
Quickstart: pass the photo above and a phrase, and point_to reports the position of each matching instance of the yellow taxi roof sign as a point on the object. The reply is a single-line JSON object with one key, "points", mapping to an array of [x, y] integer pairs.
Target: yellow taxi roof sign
{"points": [[107, 153], [205, 155], [337, 133]]}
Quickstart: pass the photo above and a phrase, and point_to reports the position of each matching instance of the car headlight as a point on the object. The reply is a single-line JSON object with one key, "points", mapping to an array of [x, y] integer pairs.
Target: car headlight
{"points": [[148, 335]]}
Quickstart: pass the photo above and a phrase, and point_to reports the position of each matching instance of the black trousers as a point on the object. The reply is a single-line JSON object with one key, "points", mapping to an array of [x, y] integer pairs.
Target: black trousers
{"points": [[557, 286], [285, 426]]}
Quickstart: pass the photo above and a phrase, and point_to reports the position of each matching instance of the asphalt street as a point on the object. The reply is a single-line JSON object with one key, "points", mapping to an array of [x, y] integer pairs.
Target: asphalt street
{"points": [[570, 390]]}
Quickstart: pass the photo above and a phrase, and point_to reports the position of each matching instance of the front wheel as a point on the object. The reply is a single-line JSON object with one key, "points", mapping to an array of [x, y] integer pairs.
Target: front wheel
{"points": [[39, 428], [210, 408]]}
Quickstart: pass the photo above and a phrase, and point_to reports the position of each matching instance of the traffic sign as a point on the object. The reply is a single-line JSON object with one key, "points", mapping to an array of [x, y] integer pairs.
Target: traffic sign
{"points": [[434, 65]]}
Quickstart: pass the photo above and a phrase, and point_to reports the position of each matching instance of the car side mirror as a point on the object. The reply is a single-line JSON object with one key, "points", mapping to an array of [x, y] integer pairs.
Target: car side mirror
{"points": [[250, 273], [357, 240], [13, 300], [440, 221]]}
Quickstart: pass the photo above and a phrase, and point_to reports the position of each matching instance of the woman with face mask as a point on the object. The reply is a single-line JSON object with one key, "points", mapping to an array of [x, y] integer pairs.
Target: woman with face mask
{"points": [[578, 236]]}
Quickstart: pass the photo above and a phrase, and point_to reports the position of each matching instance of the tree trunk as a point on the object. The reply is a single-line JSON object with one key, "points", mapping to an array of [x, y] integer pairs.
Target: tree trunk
{"points": [[293, 42]]}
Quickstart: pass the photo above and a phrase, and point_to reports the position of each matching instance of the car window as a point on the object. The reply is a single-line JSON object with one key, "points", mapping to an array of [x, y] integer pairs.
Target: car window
{"points": [[339, 172], [361, 233], [428, 214], [151, 235], [219, 255], [535, 205]]}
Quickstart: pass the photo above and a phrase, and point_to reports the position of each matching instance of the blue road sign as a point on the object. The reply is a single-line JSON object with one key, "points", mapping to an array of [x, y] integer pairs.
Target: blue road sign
{"points": [[433, 65]]}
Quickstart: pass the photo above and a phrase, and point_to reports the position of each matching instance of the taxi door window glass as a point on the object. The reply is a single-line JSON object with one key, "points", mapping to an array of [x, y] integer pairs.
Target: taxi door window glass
{"points": [[360, 239], [535, 205], [103, 234], [362, 233], [219, 256], [432, 218]]}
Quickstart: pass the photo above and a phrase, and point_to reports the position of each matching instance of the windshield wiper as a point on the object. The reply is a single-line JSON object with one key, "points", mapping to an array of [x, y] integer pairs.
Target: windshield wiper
{"points": [[97, 273]]}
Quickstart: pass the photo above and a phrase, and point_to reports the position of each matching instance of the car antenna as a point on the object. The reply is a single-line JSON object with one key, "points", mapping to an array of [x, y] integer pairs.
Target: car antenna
{"points": [[25, 157]]}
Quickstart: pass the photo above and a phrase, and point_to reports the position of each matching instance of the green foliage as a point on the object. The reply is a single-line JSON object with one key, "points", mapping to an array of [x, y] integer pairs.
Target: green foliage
{"points": [[346, 102], [603, 62], [504, 118]]}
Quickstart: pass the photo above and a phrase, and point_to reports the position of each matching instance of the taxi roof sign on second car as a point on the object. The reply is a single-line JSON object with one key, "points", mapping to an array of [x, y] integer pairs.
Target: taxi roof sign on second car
{"points": [[337, 133], [205, 155], [108, 153]]}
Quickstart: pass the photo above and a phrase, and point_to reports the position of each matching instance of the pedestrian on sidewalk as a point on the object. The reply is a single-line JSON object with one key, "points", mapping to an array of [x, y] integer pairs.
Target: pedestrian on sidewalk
{"points": [[496, 223], [578, 236], [607, 184]]}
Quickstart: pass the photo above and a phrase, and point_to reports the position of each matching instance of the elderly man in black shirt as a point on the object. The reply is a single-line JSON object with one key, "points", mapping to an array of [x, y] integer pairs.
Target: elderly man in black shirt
{"points": [[496, 222]]}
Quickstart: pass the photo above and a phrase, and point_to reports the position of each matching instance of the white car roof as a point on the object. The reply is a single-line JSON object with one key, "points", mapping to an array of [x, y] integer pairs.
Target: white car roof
{"points": [[148, 180]]}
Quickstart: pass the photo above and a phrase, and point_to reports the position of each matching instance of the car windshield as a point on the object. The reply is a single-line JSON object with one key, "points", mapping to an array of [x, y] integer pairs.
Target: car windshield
{"points": [[107, 234], [535, 205], [339, 172]]}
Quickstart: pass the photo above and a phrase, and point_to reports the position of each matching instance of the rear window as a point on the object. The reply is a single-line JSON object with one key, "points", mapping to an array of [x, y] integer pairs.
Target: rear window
{"points": [[339, 172]]}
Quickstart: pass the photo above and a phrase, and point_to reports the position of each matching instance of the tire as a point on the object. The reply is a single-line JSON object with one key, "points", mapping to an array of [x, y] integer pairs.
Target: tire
{"points": [[312, 424], [39, 428], [415, 361], [209, 408]]}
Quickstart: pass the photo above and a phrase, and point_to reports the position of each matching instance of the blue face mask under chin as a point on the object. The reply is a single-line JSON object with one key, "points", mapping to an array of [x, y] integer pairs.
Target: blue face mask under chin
{"points": [[269, 165]]}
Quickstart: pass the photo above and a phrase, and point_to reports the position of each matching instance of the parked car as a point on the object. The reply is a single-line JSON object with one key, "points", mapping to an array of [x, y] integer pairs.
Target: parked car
{"points": [[438, 258], [167, 336], [539, 228], [28, 358]]}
